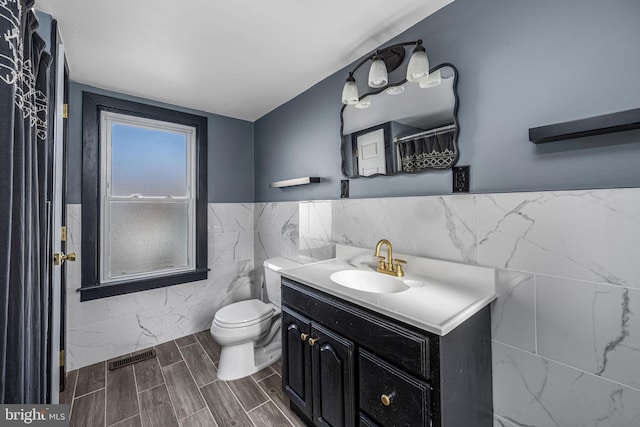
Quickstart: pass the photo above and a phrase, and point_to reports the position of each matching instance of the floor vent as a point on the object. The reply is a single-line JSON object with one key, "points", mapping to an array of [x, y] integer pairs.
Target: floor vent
{"points": [[130, 360]]}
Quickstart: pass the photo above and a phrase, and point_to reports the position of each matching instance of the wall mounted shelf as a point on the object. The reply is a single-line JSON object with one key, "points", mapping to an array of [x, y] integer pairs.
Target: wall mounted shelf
{"points": [[296, 181], [608, 123]]}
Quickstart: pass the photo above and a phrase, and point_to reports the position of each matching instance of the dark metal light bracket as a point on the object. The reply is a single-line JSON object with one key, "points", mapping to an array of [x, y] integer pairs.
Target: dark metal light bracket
{"points": [[392, 56]]}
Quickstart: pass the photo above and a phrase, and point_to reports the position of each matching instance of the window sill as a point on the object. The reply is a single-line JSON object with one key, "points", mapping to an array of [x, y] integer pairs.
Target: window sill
{"points": [[88, 293]]}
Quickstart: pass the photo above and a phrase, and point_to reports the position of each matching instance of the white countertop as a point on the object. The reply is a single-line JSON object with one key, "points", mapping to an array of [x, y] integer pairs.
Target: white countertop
{"points": [[451, 292]]}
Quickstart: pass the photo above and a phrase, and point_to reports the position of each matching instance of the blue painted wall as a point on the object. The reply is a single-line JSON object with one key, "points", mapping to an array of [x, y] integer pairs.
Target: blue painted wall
{"points": [[230, 149], [522, 64]]}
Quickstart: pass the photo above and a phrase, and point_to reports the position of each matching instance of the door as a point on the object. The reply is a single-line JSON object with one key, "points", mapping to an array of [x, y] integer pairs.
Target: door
{"points": [[333, 378], [370, 154], [56, 202], [296, 359]]}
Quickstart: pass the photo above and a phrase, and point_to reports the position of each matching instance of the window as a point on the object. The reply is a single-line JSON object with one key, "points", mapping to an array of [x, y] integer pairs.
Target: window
{"points": [[143, 199]]}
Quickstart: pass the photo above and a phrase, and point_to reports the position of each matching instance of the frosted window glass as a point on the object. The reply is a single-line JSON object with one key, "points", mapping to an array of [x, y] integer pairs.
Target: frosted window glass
{"points": [[149, 162], [147, 236]]}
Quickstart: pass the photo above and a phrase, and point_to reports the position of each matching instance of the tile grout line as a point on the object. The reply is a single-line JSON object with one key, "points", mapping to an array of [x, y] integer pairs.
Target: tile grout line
{"points": [[73, 394], [106, 371], [239, 403], [126, 419], [205, 352], [194, 383], [166, 385], [135, 383], [91, 392], [565, 365], [269, 396]]}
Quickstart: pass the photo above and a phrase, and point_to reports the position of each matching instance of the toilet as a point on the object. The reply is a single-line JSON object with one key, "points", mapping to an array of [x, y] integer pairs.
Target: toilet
{"points": [[249, 331]]}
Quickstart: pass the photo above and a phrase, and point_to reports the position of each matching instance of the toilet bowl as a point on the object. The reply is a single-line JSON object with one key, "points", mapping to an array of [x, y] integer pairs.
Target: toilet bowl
{"points": [[249, 331]]}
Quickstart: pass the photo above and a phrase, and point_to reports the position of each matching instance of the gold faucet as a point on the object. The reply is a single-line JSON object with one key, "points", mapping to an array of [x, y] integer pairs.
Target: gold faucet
{"points": [[390, 266]]}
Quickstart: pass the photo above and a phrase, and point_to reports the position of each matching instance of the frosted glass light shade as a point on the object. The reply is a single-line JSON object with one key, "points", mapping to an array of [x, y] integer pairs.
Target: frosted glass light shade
{"points": [[433, 80], [418, 68], [378, 76], [350, 92]]}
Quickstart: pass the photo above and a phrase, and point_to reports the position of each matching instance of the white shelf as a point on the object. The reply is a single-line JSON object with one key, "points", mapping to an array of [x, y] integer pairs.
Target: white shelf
{"points": [[296, 181]]}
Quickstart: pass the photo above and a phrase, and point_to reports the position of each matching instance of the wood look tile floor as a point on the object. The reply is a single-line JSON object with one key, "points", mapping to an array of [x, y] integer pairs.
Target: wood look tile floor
{"points": [[177, 388]]}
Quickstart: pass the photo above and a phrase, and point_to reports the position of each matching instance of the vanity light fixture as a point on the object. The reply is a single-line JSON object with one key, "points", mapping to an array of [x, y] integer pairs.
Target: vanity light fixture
{"points": [[418, 68], [383, 62], [350, 91], [378, 76]]}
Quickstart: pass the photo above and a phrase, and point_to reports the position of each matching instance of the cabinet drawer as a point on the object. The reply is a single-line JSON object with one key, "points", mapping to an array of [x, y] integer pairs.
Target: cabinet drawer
{"points": [[406, 348], [409, 398]]}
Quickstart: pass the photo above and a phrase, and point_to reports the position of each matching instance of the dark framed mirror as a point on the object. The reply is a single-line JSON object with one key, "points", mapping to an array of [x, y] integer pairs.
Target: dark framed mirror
{"points": [[403, 127]]}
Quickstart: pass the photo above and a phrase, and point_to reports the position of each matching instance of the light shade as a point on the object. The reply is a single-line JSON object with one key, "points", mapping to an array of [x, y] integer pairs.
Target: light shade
{"points": [[433, 80], [378, 73], [350, 92], [418, 68]]}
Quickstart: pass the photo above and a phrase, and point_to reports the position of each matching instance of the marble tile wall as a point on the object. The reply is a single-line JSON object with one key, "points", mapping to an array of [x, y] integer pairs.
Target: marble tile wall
{"points": [[109, 327], [566, 337]]}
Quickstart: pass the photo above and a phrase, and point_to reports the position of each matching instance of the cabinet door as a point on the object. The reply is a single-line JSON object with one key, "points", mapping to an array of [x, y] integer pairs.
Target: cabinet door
{"points": [[296, 359], [333, 378]]}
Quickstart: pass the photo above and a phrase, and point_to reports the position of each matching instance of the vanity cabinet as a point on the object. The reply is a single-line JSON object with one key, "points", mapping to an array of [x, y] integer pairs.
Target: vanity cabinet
{"points": [[319, 375], [344, 365]]}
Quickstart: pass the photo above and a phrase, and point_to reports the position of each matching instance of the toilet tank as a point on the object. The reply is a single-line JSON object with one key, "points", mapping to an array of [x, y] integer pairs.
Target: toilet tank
{"points": [[272, 267]]}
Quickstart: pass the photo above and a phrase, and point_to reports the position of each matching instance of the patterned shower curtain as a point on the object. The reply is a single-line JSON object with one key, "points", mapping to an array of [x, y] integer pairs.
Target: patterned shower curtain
{"points": [[436, 151], [24, 258]]}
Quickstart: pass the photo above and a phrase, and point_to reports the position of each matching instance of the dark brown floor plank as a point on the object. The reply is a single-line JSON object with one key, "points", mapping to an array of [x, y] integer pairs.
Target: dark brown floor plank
{"points": [[168, 353], [210, 346], [148, 373], [273, 387], [122, 397], [130, 422], [277, 366], [248, 392], [183, 390], [66, 396], [88, 410], [90, 378], [263, 373], [199, 364], [156, 409], [199, 419], [224, 407], [185, 341], [268, 415]]}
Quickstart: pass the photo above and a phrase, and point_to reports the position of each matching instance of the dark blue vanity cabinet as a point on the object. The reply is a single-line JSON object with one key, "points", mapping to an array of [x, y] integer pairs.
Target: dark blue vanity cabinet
{"points": [[344, 365]]}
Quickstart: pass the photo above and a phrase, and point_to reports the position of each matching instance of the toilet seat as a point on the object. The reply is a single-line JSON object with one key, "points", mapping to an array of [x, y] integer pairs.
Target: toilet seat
{"points": [[244, 313]]}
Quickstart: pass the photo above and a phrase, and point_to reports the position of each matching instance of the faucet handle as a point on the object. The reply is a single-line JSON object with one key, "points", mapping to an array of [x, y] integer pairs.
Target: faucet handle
{"points": [[397, 267], [381, 263]]}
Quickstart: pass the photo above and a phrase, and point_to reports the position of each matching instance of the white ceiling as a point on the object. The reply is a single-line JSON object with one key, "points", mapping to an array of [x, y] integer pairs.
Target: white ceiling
{"points": [[237, 58]]}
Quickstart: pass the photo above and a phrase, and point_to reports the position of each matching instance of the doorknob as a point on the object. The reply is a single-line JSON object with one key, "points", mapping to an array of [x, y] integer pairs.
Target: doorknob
{"points": [[60, 258]]}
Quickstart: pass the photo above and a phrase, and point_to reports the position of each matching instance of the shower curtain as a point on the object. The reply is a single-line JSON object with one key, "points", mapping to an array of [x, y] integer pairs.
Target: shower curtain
{"points": [[24, 257], [437, 151]]}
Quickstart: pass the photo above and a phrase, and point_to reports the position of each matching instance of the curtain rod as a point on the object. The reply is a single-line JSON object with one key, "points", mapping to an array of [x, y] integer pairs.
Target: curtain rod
{"points": [[429, 132]]}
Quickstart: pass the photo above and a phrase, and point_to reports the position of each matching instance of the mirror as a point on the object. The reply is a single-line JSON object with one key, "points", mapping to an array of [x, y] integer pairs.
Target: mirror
{"points": [[402, 127]]}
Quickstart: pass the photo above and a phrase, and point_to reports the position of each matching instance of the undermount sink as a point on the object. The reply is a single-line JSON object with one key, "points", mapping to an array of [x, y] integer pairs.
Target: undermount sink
{"points": [[368, 281]]}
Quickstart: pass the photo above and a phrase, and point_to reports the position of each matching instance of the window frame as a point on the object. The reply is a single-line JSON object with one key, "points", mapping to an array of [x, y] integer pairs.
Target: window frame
{"points": [[92, 107]]}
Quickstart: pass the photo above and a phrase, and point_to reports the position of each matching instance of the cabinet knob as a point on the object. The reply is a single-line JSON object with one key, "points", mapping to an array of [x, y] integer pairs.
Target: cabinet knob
{"points": [[312, 341], [386, 399], [304, 336]]}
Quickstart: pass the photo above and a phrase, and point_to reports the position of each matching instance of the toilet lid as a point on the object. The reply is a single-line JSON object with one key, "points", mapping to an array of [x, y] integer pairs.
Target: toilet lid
{"points": [[243, 313]]}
